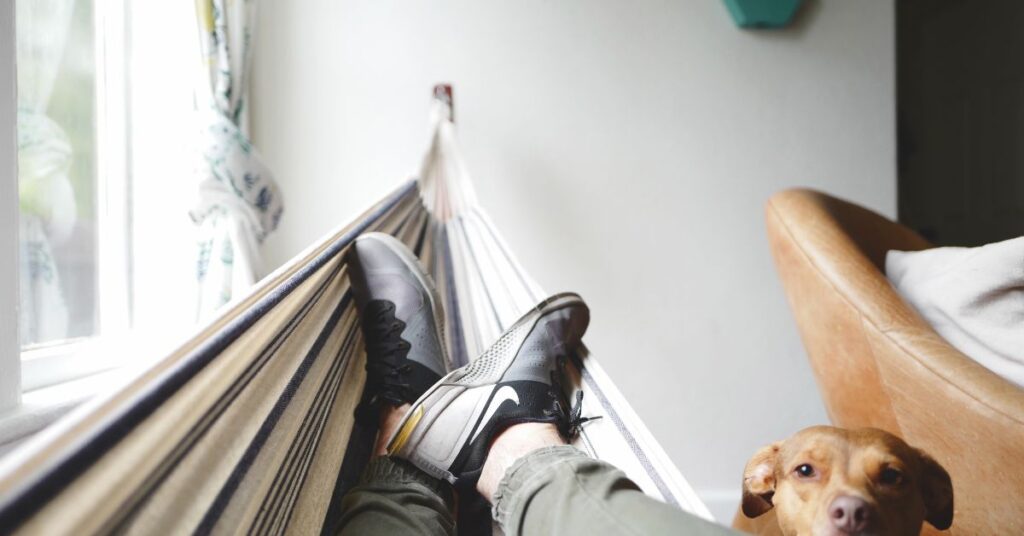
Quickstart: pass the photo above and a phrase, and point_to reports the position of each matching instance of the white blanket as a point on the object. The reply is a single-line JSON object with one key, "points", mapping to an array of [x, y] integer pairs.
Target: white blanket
{"points": [[973, 297]]}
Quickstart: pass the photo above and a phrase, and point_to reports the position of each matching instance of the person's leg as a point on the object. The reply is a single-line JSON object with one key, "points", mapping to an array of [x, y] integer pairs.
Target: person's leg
{"points": [[540, 485], [497, 425], [401, 320], [393, 496]]}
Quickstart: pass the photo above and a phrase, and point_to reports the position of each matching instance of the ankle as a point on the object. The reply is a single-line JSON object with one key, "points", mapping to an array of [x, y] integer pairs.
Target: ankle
{"points": [[513, 443], [390, 418]]}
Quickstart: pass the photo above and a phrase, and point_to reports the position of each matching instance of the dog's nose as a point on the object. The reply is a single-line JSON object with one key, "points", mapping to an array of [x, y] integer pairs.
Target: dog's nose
{"points": [[850, 514]]}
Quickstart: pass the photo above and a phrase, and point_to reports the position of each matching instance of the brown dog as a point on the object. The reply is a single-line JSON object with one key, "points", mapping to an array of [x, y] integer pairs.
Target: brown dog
{"points": [[831, 481]]}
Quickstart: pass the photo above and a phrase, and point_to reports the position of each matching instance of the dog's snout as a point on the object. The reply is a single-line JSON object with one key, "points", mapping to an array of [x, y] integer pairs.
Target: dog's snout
{"points": [[850, 514]]}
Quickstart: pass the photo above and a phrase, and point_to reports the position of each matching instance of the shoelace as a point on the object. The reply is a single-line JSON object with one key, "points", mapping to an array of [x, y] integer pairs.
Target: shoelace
{"points": [[385, 352], [570, 419]]}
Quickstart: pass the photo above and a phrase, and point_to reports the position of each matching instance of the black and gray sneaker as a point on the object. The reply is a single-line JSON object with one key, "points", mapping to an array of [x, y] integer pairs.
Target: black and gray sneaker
{"points": [[448, 431], [402, 322]]}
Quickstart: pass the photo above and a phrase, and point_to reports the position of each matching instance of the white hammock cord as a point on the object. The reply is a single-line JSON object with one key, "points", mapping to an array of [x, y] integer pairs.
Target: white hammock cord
{"points": [[444, 181]]}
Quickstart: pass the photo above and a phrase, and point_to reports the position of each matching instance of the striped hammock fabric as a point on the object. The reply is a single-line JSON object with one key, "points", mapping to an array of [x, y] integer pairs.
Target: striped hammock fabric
{"points": [[249, 426]]}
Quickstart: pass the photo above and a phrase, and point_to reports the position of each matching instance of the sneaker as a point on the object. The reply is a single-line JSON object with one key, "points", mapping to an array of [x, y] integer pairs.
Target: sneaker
{"points": [[402, 323], [448, 431]]}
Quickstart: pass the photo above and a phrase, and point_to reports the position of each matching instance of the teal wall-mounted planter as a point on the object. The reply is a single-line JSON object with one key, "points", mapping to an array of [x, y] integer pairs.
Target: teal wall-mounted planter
{"points": [[762, 13]]}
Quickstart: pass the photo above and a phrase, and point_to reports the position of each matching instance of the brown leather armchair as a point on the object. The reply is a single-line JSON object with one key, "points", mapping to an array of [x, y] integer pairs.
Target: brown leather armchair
{"points": [[878, 363]]}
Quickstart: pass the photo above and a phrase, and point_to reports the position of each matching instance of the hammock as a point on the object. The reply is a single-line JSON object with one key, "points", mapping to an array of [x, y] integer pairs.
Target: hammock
{"points": [[248, 427]]}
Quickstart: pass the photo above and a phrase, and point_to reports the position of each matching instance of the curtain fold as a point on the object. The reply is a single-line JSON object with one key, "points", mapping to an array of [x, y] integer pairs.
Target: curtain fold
{"points": [[46, 197], [238, 203]]}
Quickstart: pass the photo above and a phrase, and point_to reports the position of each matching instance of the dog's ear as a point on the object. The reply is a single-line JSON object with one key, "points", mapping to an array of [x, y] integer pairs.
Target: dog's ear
{"points": [[937, 491], [759, 480]]}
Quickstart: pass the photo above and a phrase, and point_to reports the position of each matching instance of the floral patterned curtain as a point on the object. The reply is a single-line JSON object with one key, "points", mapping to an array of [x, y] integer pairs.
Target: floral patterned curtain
{"points": [[239, 203], [46, 197]]}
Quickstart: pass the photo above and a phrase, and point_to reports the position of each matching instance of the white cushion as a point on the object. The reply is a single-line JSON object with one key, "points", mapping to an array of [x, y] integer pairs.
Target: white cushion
{"points": [[973, 297]]}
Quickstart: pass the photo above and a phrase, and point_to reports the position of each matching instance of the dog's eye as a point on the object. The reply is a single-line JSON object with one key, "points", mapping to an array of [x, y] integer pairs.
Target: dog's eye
{"points": [[805, 470], [891, 476]]}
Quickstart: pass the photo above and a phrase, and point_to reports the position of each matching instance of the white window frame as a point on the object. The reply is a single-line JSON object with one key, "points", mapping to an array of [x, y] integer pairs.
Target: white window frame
{"points": [[10, 351], [51, 364]]}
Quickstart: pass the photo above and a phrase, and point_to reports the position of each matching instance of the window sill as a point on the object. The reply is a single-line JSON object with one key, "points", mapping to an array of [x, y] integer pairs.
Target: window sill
{"points": [[68, 375], [41, 407], [53, 365]]}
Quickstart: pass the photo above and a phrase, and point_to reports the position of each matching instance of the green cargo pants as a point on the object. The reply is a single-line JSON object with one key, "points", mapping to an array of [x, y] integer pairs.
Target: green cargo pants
{"points": [[555, 490]]}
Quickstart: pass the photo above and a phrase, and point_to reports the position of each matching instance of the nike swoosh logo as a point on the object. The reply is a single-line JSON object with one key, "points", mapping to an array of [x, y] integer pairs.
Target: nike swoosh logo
{"points": [[505, 393]]}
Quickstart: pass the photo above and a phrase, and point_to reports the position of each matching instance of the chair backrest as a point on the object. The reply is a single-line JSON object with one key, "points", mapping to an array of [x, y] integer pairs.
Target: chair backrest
{"points": [[878, 363]]}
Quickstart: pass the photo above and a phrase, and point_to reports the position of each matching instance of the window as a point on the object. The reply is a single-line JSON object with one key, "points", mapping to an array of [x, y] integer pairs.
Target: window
{"points": [[72, 186], [106, 143], [56, 79]]}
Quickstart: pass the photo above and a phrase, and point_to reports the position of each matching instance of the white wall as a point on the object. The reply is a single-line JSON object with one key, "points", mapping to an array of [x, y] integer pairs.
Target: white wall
{"points": [[626, 150]]}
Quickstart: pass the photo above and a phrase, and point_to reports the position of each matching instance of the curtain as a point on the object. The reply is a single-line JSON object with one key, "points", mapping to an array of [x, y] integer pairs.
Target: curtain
{"points": [[238, 203], [46, 197]]}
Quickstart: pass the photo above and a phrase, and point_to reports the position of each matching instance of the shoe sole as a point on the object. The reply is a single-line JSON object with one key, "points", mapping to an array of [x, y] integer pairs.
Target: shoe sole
{"points": [[486, 370], [413, 264]]}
